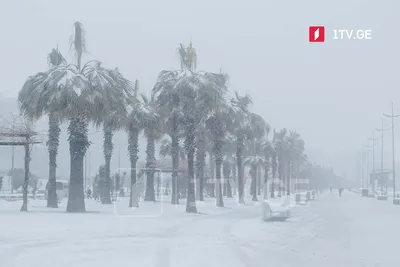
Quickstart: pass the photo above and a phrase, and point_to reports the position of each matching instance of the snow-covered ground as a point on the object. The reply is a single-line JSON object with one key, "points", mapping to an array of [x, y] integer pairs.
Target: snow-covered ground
{"points": [[331, 231]]}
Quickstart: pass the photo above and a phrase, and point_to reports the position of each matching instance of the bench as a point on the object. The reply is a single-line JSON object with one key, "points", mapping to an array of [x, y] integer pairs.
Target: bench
{"points": [[278, 213]]}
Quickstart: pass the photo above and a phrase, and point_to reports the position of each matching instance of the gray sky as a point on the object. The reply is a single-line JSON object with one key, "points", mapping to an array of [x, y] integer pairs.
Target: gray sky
{"points": [[332, 93]]}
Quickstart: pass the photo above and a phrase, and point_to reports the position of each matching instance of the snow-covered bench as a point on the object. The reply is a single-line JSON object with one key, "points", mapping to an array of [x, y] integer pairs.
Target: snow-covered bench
{"points": [[275, 213]]}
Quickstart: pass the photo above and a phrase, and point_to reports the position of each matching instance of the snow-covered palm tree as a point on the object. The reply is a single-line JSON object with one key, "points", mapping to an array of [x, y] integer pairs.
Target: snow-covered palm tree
{"points": [[111, 118], [152, 132], [218, 120], [79, 93], [229, 162], [281, 148], [242, 131], [201, 150], [191, 86], [29, 109], [295, 156], [139, 115], [166, 150], [168, 99]]}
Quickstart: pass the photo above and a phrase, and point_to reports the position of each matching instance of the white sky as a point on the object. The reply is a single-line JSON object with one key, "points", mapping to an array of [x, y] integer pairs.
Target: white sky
{"points": [[332, 93]]}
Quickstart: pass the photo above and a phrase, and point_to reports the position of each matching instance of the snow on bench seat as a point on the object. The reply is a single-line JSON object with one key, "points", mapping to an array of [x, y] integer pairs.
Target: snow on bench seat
{"points": [[272, 212]]}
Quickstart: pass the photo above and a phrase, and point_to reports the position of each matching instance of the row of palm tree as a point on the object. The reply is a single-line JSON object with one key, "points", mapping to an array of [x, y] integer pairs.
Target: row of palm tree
{"points": [[194, 109]]}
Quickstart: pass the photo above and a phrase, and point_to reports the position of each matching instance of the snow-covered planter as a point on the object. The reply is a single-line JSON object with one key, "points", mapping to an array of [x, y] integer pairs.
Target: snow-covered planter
{"points": [[382, 197], [313, 194], [396, 201], [364, 192], [302, 198]]}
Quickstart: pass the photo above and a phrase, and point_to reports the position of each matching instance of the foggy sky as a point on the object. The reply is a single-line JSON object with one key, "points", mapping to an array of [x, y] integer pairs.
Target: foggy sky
{"points": [[332, 93]]}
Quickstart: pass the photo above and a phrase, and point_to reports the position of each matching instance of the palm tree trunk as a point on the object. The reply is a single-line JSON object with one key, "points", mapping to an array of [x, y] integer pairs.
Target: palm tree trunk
{"points": [[175, 167], [239, 151], [266, 187], [211, 186], [259, 180], [281, 176], [226, 170], [150, 165], [190, 149], [254, 182], [200, 163], [288, 178], [24, 206], [133, 150], [107, 149], [234, 175], [274, 168], [218, 187], [54, 136], [78, 144]]}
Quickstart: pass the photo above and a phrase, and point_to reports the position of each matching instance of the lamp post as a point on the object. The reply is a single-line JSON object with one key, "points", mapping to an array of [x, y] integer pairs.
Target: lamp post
{"points": [[367, 162], [382, 130], [394, 162], [373, 159]]}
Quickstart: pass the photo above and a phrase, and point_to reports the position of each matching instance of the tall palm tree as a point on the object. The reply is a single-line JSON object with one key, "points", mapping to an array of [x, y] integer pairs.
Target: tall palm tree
{"points": [[259, 129], [242, 132], [295, 156], [28, 109], [168, 99], [192, 86], [79, 92], [139, 114], [252, 162], [201, 150], [281, 148], [229, 163], [274, 166], [217, 121], [268, 152], [166, 150], [112, 119], [152, 132]]}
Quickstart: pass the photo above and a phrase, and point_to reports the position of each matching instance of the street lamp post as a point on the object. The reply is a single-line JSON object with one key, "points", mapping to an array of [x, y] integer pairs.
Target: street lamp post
{"points": [[382, 130], [394, 173], [367, 163], [373, 158]]}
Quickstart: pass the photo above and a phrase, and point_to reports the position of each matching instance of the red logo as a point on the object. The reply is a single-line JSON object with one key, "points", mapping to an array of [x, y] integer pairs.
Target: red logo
{"points": [[316, 34]]}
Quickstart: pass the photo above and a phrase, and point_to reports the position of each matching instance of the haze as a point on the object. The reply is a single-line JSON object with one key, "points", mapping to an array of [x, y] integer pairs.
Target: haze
{"points": [[332, 93]]}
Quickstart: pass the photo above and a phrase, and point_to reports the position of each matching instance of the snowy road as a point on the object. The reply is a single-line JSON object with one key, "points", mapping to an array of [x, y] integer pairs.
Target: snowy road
{"points": [[332, 231]]}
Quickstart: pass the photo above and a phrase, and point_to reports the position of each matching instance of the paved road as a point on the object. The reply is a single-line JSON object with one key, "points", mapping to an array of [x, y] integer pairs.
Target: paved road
{"points": [[332, 231]]}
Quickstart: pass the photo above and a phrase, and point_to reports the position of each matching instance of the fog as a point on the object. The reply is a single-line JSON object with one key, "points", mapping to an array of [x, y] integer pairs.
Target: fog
{"points": [[332, 93]]}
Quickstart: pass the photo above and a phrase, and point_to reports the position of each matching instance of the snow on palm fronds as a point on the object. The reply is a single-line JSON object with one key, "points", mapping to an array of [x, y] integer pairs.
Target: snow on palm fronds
{"points": [[56, 89], [55, 58], [295, 147], [141, 112], [166, 149], [188, 57], [67, 89], [254, 161], [78, 42]]}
